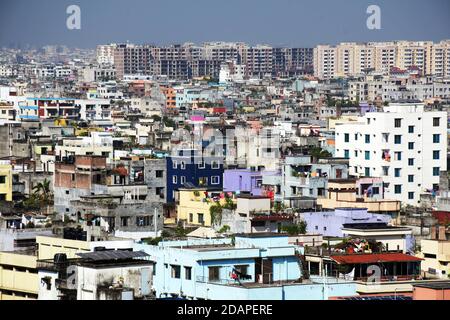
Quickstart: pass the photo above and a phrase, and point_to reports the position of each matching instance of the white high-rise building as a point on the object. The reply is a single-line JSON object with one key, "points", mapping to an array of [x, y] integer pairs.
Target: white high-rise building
{"points": [[105, 54], [404, 145]]}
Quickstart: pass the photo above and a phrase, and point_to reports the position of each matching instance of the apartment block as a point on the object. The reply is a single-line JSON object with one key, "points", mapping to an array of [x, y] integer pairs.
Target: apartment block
{"points": [[404, 144]]}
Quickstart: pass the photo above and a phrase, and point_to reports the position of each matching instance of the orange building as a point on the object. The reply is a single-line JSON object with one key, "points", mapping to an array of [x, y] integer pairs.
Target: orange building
{"points": [[170, 94], [432, 291]]}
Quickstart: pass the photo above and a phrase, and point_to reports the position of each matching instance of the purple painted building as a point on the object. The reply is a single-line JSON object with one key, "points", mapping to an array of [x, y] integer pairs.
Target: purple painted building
{"points": [[243, 181], [329, 223]]}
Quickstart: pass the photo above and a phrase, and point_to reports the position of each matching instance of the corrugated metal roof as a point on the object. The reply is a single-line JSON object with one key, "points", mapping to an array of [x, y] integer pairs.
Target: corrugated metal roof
{"points": [[112, 255]]}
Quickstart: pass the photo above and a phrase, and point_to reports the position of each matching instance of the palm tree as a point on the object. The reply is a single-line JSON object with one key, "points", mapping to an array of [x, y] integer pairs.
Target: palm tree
{"points": [[42, 191]]}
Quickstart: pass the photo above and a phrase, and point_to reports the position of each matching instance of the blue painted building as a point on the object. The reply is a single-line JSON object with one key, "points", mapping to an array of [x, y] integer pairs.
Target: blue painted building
{"points": [[330, 223], [188, 168], [250, 267]]}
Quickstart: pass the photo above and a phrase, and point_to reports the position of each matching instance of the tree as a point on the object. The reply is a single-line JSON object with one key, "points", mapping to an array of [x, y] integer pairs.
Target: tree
{"points": [[319, 153], [295, 229], [42, 192]]}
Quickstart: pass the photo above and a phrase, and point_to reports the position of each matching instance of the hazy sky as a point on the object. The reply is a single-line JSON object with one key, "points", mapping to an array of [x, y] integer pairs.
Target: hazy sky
{"points": [[275, 22]]}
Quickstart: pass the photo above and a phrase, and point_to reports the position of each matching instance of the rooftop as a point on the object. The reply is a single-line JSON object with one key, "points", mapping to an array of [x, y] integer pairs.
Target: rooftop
{"points": [[445, 285], [374, 258]]}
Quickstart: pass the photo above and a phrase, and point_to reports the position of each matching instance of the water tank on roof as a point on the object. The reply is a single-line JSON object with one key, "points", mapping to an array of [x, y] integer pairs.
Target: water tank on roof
{"points": [[60, 258]]}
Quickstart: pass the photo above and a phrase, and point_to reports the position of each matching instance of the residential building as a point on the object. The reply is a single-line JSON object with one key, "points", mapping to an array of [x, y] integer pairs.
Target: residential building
{"points": [[331, 223], [265, 265], [404, 144], [190, 167]]}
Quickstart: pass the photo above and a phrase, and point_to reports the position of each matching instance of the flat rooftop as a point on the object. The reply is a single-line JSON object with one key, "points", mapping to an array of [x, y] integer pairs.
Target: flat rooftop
{"points": [[436, 285], [371, 226], [261, 235]]}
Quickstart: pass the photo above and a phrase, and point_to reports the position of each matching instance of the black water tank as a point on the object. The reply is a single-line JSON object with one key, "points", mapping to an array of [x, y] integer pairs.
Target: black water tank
{"points": [[60, 258], [99, 249]]}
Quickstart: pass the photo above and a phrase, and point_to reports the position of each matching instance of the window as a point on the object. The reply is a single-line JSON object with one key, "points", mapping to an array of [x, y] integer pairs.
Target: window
{"points": [[436, 171], [124, 221], [175, 271], [143, 221], [411, 129], [191, 217], [411, 178], [367, 172], [188, 273], [429, 255], [397, 172], [159, 173], [174, 179], [183, 180], [215, 165], [398, 189], [214, 273], [398, 123], [346, 154], [2, 179], [183, 165], [367, 155], [436, 138], [203, 181], [174, 164], [356, 153], [201, 218], [436, 155], [346, 137], [201, 165], [356, 137], [215, 180], [411, 145], [367, 138], [242, 271], [436, 122], [398, 156], [397, 139], [410, 162], [411, 195]]}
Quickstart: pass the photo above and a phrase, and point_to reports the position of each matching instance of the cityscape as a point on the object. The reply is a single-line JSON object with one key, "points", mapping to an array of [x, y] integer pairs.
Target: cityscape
{"points": [[221, 170]]}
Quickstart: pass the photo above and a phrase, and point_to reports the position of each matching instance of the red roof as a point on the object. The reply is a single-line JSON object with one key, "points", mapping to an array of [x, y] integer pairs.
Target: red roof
{"points": [[374, 258], [442, 216]]}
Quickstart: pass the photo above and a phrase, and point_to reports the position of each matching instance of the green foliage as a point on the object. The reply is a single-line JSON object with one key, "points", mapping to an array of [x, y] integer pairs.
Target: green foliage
{"points": [[224, 229], [229, 204], [42, 193], [319, 153], [180, 232], [152, 241], [156, 118], [168, 122], [165, 234], [215, 212], [278, 206], [295, 229]]}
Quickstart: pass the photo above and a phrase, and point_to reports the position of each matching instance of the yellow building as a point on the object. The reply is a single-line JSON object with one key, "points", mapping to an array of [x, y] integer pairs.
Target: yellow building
{"points": [[49, 246], [437, 258], [18, 276], [194, 205], [5, 181]]}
